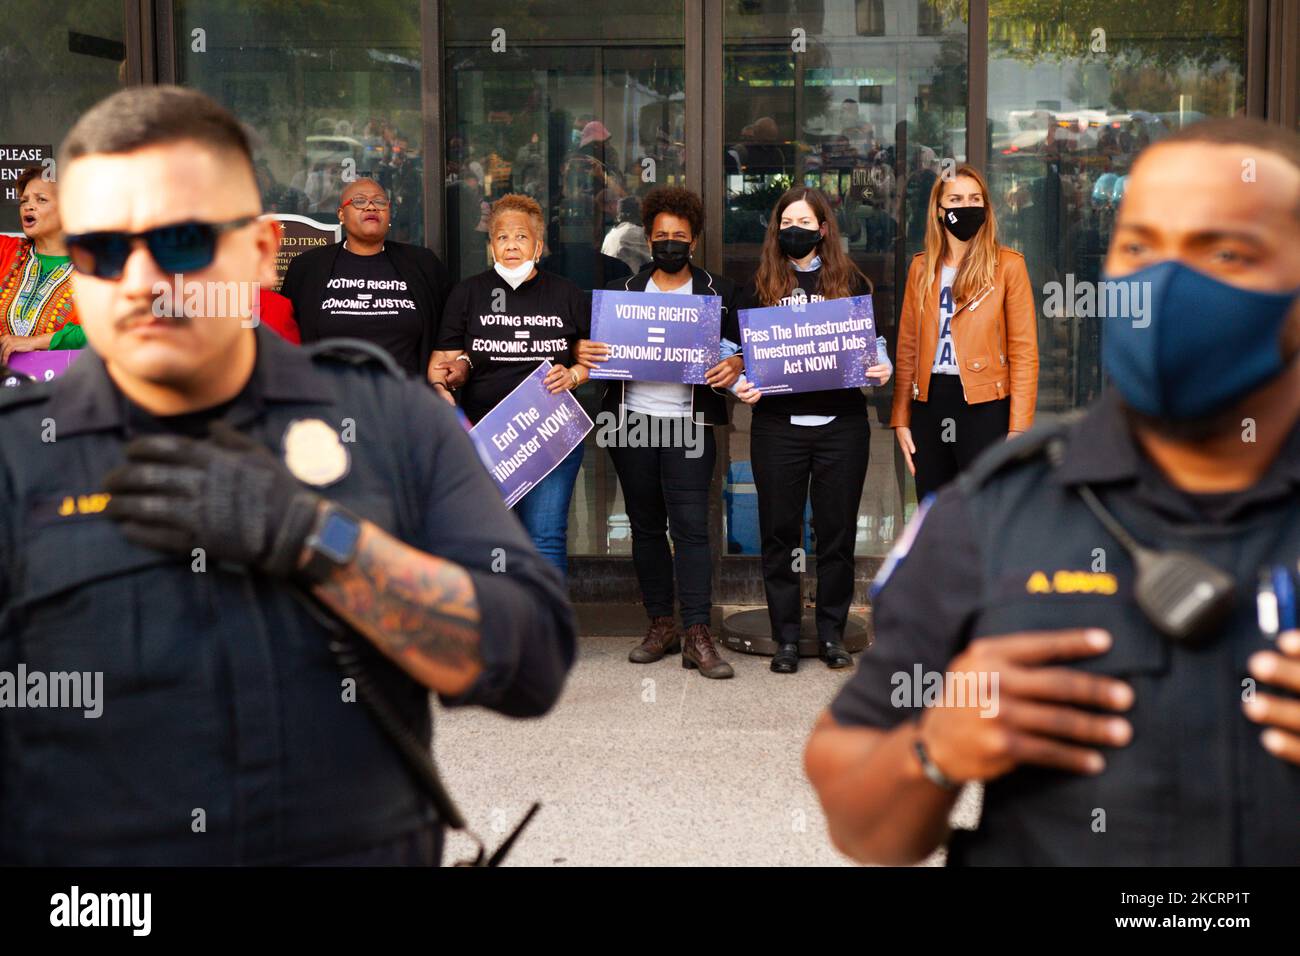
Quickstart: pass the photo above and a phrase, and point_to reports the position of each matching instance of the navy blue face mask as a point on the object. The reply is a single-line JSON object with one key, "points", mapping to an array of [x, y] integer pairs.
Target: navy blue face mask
{"points": [[1200, 346]]}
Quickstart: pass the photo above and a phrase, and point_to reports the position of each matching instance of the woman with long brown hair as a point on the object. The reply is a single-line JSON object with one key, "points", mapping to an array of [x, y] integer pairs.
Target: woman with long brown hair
{"points": [[808, 444], [967, 338]]}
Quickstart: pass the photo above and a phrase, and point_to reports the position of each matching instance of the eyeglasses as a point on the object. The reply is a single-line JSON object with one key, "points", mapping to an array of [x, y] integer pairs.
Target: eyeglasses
{"points": [[360, 202], [180, 247]]}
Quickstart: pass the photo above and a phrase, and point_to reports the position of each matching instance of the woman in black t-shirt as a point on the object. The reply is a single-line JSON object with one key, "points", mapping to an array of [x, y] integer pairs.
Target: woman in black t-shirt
{"points": [[496, 327], [808, 444]]}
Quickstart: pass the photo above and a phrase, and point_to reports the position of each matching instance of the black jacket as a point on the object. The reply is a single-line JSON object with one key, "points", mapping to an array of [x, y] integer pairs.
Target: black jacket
{"points": [[219, 689], [425, 276], [708, 405]]}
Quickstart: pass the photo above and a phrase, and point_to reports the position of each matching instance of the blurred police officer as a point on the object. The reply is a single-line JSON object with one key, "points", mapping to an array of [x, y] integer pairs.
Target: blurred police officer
{"points": [[1114, 716], [199, 508]]}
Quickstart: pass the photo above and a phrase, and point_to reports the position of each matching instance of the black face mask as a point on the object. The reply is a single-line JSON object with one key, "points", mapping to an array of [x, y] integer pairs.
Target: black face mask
{"points": [[796, 241], [962, 221], [670, 255]]}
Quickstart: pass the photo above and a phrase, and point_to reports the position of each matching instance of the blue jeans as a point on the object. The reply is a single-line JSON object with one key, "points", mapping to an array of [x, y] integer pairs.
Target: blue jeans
{"points": [[544, 511]]}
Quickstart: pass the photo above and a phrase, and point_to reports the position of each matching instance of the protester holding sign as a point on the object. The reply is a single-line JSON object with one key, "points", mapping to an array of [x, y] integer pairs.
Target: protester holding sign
{"points": [[35, 274], [667, 472], [369, 287], [812, 443], [497, 327], [967, 338]]}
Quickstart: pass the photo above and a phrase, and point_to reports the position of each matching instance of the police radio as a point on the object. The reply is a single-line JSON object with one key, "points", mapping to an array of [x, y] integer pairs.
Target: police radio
{"points": [[1185, 598]]}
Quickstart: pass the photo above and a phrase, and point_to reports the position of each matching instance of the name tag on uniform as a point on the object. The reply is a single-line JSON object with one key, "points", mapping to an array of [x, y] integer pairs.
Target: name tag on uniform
{"points": [[57, 509]]}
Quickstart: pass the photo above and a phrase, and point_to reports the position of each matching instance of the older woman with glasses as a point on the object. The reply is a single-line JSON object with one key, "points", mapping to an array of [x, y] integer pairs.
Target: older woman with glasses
{"points": [[368, 286], [36, 307]]}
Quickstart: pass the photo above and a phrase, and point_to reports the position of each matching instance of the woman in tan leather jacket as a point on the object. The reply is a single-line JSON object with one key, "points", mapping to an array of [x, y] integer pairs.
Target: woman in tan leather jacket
{"points": [[967, 368]]}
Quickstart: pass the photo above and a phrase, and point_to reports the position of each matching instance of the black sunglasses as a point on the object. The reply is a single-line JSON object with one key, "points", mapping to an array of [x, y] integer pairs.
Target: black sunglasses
{"points": [[180, 247]]}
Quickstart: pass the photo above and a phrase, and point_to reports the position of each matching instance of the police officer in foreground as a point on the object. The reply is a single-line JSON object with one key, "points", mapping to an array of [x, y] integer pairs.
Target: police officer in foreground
{"points": [[218, 522], [1108, 605]]}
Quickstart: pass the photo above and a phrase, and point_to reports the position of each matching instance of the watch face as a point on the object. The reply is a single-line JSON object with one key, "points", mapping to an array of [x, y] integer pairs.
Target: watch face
{"points": [[338, 538]]}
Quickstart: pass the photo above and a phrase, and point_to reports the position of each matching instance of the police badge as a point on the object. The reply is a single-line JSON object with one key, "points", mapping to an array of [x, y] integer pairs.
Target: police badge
{"points": [[314, 453]]}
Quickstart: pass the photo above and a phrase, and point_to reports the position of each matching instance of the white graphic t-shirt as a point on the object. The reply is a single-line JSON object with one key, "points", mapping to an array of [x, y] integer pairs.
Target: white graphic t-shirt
{"points": [[945, 353], [667, 399]]}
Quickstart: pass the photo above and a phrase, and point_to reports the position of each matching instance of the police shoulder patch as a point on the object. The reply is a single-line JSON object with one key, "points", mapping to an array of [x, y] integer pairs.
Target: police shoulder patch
{"points": [[901, 547], [354, 352]]}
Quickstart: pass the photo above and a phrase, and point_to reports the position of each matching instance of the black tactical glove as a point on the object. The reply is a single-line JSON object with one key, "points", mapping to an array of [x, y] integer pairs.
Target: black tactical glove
{"points": [[227, 495]]}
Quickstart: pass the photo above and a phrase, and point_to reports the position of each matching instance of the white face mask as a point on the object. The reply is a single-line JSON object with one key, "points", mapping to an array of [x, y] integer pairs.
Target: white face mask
{"points": [[517, 275]]}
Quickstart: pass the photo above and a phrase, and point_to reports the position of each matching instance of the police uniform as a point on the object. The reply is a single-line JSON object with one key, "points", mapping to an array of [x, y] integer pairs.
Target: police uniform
{"points": [[1012, 547], [228, 735]]}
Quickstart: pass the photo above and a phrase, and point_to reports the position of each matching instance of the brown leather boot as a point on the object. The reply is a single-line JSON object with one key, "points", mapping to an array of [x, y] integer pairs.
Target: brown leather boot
{"points": [[660, 639], [700, 652]]}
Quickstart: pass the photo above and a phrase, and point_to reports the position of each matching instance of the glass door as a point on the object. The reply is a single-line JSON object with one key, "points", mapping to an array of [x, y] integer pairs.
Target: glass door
{"points": [[865, 100], [585, 111]]}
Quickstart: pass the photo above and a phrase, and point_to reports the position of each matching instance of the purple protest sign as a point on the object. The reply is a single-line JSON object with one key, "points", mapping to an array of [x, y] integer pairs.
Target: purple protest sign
{"points": [[527, 434], [809, 348], [42, 366], [656, 336]]}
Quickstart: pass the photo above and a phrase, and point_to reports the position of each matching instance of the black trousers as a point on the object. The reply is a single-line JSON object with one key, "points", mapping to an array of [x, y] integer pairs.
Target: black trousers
{"points": [[791, 464], [668, 491], [949, 434]]}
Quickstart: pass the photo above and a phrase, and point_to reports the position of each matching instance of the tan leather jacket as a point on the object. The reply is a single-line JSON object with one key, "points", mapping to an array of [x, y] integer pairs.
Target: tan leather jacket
{"points": [[995, 334]]}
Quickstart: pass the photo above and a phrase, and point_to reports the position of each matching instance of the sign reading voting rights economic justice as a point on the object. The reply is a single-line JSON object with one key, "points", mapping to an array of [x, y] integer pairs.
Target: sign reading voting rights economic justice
{"points": [[656, 336], [527, 434], [820, 345]]}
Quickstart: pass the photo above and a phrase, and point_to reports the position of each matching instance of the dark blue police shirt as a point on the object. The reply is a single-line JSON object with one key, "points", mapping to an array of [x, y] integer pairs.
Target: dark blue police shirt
{"points": [[225, 735], [1019, 552]]}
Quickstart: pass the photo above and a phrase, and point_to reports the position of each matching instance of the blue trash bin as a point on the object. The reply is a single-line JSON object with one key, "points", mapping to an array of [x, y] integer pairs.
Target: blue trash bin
{"points": [[740, 499]]}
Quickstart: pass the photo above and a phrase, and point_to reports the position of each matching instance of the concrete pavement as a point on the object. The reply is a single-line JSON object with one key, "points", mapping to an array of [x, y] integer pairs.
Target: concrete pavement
{"points": [[650, 765]]}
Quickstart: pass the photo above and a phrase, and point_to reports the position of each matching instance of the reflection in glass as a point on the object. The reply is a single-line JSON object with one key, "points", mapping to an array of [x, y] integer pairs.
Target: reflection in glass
{"points": [[584, 110], [59, 58], [330, 93], [1074, 94], [870, 111]]}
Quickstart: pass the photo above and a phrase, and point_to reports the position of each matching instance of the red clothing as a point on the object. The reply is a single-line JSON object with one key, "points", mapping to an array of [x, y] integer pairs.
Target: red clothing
{"points": [[19, 277], [277, 313], [10, 247]]}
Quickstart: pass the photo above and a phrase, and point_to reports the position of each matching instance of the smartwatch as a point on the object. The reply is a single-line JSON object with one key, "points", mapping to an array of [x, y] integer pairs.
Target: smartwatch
{"points": [[331, 544]]}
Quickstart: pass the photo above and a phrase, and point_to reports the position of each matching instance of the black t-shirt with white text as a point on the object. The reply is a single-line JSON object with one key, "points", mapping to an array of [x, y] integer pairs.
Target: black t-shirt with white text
{"points": [[365, 298], [506, 331]]}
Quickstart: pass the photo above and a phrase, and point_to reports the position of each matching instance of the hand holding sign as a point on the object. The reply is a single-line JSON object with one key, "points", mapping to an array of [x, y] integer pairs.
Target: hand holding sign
{"points": [[590, 354], [40, 365]]}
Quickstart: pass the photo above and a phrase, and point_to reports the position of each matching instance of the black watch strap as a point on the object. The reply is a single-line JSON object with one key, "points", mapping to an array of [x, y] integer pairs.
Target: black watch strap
{"points": [[928, 766], [331, 544]]}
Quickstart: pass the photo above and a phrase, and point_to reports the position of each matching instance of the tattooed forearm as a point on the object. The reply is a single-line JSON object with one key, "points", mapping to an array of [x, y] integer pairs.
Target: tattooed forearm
{"points": [[418, 609]]}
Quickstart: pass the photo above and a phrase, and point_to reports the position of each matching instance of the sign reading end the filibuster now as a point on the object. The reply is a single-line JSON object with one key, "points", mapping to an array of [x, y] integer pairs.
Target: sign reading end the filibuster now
{"points": [[656, 336], [527, 434], [811, 348]]}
